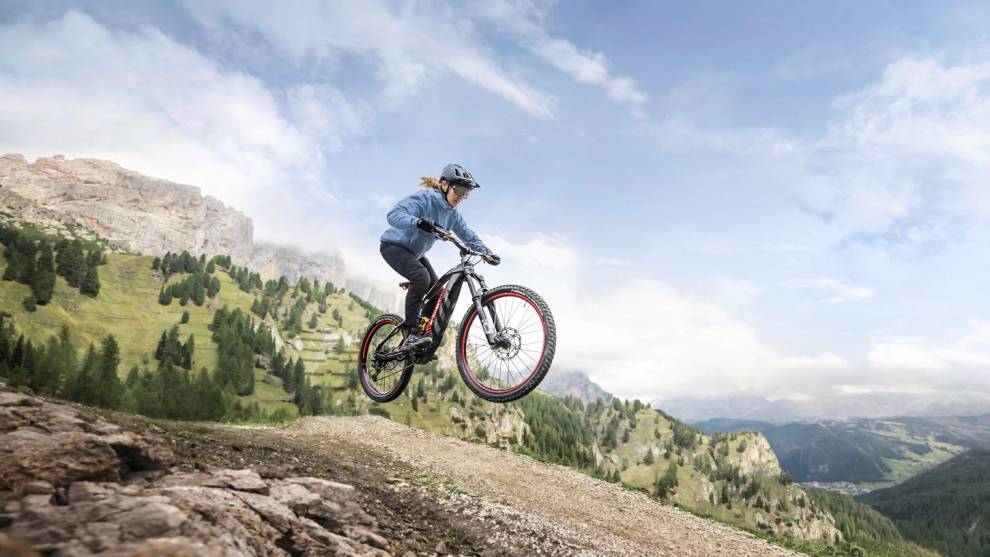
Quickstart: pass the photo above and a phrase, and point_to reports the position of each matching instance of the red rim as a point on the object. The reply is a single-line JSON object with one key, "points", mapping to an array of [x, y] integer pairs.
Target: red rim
{"points": [[467, 328], [364, 357]]}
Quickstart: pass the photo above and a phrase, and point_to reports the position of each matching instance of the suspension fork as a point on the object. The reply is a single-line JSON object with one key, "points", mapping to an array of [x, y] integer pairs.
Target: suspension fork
{"points": [[491, 333]]}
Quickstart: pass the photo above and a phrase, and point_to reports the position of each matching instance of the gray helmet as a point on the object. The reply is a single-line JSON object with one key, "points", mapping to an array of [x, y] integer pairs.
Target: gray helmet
{"points": [[456, 174]]}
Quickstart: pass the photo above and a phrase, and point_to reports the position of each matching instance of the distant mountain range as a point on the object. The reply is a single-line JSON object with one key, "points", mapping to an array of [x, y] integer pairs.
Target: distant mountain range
{"points": [[946, 508], [781, 411], [863, 450], [576, 383]]}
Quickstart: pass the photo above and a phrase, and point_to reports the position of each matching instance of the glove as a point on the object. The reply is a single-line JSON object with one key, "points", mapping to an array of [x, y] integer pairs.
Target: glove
{"points": [[493, 259], [426, 225]]}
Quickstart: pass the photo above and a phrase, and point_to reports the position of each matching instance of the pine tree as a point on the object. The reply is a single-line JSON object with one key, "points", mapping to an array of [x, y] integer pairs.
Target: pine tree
{"points": [[109, 389], [300, 372], [211, 267], [214, 287], [649, 457], [313, 321], [289, 381], [188, 349], [72, 265], [27, 268], [80, 387], [185, 317], [91, 282]]}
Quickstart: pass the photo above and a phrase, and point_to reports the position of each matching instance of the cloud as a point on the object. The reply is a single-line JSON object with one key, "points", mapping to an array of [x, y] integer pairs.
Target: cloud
{"points": [[526, 20], [962, 364], [831, 289], [414, 47], [410, 48], [902, 162], [540, 251], [324, 114], [643, 338], [164, 109]]}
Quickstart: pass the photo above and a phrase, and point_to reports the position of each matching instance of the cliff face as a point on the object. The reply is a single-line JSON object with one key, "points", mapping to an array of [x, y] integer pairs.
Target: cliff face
{"points": [[142, 214]]}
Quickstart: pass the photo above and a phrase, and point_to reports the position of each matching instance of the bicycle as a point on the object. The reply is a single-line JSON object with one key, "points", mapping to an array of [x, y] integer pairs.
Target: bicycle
{"points": [[505, 343]]}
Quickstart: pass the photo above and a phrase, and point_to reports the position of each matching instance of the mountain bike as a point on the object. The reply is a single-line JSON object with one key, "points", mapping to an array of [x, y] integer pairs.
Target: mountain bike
{"points": [[505, 343]]}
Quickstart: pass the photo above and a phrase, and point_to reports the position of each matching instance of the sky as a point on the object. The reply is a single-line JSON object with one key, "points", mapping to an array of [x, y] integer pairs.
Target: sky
{"points": [[776, 198]]}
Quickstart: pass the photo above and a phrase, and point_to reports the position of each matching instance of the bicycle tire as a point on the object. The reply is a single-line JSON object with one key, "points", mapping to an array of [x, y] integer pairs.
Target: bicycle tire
{"points": [[365, 379], [542, 366]]}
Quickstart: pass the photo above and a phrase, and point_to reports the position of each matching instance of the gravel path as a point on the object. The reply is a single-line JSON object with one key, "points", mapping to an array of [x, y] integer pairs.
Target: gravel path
{"points": [[558, 510]]}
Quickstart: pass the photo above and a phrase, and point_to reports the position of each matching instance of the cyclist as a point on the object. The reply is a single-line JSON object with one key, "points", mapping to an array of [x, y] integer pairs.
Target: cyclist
{"points": [[413, 221]]}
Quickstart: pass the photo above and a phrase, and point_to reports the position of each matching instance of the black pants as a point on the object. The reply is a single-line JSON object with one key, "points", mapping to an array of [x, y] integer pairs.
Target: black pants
{"points": [[418, 272]]}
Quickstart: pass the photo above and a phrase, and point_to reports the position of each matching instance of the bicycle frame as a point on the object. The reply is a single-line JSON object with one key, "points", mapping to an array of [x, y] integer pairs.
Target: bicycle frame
{"points": [[447, 288]]}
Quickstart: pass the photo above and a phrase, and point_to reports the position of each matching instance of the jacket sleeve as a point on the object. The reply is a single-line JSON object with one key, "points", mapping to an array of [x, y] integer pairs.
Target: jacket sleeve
{"points": [[407, 212], [468, 235]]}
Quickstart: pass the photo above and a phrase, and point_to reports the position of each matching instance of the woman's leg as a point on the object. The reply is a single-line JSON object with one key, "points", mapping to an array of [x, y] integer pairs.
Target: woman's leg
{"points": [[406, 264], [428, 308]]}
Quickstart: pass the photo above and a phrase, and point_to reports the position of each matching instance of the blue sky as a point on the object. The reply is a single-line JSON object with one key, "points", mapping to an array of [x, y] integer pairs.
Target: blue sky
{"points": [[790, 199]]}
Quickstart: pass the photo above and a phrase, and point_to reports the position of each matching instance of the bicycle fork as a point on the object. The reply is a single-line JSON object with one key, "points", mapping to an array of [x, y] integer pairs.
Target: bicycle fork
{"points": [[491, 333]]}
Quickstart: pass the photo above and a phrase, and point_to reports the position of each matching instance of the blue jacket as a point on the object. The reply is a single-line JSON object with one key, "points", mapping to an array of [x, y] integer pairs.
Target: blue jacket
{"points": [[430, 204]]}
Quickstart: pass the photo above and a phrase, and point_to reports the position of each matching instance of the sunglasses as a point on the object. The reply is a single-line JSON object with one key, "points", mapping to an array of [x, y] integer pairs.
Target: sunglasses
{"points": [[462, 191]]}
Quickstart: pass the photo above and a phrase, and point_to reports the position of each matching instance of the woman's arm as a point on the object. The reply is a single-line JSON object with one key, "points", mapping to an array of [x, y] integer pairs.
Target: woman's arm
{"points": [[407, 211], [468, 235]]}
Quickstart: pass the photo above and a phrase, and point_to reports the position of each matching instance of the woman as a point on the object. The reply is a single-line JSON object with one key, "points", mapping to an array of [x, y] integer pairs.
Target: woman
{"points": [[413, 221]]}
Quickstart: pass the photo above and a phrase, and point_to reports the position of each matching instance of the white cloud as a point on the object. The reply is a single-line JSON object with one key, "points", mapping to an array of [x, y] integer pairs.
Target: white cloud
{"points": [[643, 338], [962, 364], [150, 104], [323, 113], [526, 20], [411, 48], [540, 251], [831, 289]]}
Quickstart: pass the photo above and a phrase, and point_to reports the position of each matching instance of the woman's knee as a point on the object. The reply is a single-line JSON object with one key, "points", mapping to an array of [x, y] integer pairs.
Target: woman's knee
{"points": [[420, 279]]}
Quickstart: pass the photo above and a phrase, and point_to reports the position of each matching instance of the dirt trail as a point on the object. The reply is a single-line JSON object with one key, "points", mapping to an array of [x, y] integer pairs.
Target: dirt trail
{"points": [[576, 514]]}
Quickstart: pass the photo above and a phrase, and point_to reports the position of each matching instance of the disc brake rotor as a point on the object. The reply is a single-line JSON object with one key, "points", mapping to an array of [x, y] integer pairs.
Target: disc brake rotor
{"points": [[510, 342]]}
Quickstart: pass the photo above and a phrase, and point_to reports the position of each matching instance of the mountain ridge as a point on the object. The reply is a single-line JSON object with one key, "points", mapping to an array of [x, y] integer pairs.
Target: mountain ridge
{"points": [[95, 198]]}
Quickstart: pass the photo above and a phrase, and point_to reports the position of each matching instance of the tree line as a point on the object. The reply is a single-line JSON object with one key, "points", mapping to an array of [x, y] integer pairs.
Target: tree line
{"points": [[198, 286], [36, 263]]}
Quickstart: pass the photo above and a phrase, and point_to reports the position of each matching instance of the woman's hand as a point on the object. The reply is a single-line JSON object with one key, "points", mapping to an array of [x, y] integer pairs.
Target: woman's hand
{"points": [[426, 225]]}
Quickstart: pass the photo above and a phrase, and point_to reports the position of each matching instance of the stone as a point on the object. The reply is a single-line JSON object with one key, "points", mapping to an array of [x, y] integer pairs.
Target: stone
{"points": [[209, 512]]}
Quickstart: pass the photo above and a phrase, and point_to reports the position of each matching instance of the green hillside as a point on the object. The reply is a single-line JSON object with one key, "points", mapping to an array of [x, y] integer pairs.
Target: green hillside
{"points": [[865, 527], [946, 508], [870, 453]]}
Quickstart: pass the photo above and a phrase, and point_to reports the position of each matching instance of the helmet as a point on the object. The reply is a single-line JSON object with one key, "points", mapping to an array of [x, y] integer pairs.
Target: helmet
{"points": [[456, 174]]}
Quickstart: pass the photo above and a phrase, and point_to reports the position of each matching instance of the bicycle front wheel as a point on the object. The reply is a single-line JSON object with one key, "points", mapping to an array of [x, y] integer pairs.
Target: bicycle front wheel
{"points": [[521, 357]]}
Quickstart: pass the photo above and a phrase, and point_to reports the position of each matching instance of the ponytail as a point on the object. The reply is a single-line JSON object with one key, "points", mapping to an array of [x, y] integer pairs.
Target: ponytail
{"points": [[430, 182]]}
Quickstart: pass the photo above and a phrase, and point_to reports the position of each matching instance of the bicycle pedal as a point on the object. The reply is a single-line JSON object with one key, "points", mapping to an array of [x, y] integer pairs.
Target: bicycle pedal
{"points": [[426, 359]]}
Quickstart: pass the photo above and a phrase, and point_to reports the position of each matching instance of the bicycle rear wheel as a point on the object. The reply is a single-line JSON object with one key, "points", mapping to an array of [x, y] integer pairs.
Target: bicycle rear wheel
{"points": [[514, 366], [383, 381]]}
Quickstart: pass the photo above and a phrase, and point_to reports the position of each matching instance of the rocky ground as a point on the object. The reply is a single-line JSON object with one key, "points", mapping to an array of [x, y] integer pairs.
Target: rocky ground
{"points": [[74, 481]]}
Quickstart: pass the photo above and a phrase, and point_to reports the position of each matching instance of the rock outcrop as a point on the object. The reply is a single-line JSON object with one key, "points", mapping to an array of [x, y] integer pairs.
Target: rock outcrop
{"points": [[147, 215], [71, 485]]}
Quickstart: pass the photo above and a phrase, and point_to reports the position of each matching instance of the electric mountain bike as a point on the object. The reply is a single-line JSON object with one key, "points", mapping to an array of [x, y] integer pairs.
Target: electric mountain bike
{"points": [[505, 343]]}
